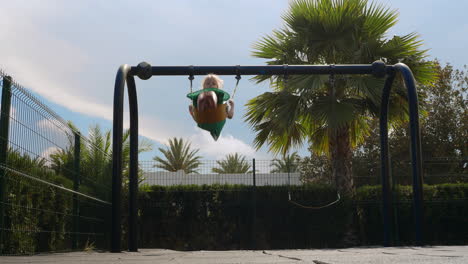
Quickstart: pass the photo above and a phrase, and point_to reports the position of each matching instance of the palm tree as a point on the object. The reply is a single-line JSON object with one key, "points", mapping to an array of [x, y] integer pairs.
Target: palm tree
{"points": [[96, 158], [178, 156], [233, 163], [331, 114], [289, 163]]}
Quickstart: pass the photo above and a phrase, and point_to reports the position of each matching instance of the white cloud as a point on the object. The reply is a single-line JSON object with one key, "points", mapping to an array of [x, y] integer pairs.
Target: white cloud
{"points": [[156, 130], [47, 152], [47, 124], [54, 131], [59, 69], [69, 53], [201, 139], [44, 63], [43, 82], [226, 144]]}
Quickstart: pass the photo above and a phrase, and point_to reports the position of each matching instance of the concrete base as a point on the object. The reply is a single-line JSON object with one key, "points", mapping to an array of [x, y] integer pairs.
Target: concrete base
{"points": [[437, 254]]}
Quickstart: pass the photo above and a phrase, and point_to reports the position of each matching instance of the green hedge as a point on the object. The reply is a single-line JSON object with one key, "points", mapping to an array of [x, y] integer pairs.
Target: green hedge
{"points": [[445, 214], [220, 217], [38, 217], [30, 209]]}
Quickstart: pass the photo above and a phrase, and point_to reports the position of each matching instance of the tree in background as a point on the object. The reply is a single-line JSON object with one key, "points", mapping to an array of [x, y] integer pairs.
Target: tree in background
{"points": [[445, 126], [288, 163], [178, 156], [315, 168], [444, 131], [232, 163], [332, 115]]}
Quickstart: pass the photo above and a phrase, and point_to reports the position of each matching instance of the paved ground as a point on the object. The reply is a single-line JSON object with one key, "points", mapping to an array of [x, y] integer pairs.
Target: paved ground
{"points": [[440, 254]]}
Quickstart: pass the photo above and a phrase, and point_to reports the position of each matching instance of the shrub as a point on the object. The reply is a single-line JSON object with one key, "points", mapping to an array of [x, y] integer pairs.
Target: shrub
{"points": [[221, 217]]}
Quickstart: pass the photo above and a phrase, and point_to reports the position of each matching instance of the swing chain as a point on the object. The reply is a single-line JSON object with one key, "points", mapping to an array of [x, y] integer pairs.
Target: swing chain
{"points": [[191, 77], [238, 78], [331, 81]]}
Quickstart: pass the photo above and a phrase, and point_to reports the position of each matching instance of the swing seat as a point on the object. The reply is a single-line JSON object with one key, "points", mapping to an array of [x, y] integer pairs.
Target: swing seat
{"points": [[211, 120]]}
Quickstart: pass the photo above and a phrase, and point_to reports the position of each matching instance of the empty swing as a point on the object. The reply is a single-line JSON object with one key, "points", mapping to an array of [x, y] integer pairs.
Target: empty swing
{"points": [[211, 119], [290, 199]]}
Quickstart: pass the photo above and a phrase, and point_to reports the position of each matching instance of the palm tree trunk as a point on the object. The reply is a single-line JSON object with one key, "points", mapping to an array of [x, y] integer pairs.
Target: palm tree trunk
{"points": [[340, 149]]}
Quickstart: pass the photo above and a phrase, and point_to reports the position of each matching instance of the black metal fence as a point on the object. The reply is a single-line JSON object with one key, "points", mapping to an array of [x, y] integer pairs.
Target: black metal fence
{"points": [[267, 204], [234, 204], [54, 183], [298, 173], [224, 172], [435, 171]]}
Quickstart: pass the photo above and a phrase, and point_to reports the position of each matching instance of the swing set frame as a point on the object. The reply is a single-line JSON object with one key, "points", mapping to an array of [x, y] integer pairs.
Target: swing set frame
{"points": [[126, 75]]}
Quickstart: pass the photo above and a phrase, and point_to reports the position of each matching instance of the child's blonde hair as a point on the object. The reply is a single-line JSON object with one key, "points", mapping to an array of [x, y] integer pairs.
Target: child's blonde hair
{"points": [[212, 77]]}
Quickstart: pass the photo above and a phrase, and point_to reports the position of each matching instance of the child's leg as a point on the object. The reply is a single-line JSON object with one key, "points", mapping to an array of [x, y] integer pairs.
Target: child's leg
{"points": [[190, 107], [230, 109]]}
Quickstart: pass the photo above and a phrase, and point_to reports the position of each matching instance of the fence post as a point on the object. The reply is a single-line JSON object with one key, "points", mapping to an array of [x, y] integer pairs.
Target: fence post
{"points": [[76, 186], [254, 206], [4, 136]]}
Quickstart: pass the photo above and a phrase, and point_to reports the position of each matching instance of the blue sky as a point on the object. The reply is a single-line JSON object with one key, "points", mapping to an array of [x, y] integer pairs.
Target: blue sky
{"points": [[67, 52]]}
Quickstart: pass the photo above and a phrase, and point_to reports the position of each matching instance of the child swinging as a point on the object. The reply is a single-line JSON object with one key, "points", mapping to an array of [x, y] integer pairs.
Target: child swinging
{"points": [[211, 105]]}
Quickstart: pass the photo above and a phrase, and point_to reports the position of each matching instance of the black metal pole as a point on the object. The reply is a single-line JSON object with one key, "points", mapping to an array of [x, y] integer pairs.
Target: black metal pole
{"points": [[262, 70], [396, 229], [4, 137], [117, 157], [133, 178], [76, 186], [254, 206], [416, 158], [385, 160]]}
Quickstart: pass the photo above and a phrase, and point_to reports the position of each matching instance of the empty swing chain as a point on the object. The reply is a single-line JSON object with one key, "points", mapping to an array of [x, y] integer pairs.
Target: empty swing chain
{"points": [[338, 198]]}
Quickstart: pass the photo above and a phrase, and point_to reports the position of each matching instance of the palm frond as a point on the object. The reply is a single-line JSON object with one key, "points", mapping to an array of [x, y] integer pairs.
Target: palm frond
{"points": [[178, 156], [232, 163], [325, 32]]}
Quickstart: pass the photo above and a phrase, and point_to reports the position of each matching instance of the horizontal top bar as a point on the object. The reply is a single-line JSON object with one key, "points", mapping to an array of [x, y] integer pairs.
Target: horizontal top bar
{"points": [[262, 70]]}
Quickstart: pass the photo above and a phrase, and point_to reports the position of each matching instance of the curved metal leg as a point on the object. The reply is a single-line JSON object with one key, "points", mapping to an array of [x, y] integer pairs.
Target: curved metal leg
{"points": [[385, 160], [117, 157], [416, 158], [133, 177]]}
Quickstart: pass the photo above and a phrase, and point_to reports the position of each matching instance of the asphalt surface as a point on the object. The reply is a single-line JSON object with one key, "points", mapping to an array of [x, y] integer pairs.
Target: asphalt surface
{"points": [[438, 254]]}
